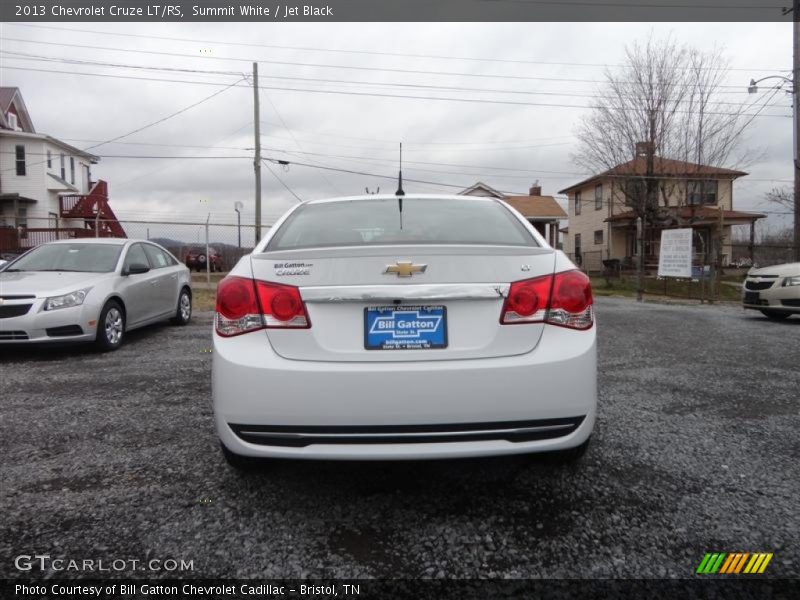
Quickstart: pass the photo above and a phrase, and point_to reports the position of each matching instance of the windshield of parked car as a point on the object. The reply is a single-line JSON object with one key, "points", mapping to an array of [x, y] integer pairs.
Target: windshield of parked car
{"points": [[380, 221], [90, 258]]}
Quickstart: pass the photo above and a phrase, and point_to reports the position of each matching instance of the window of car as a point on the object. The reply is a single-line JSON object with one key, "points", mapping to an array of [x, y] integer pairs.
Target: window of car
{"points": [[379, 222], [136, 255], [90, 258], [158, 258]]}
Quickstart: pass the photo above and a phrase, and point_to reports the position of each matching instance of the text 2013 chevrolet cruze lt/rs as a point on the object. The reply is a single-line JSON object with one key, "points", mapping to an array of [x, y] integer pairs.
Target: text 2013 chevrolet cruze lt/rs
{"points": [[416, 327]]}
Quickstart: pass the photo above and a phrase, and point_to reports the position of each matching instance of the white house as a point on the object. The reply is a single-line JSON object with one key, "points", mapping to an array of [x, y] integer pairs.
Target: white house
{"points": [[46, 187]]}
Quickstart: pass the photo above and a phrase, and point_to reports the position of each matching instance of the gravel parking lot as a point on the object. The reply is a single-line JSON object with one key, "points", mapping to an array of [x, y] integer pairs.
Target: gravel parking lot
{"points": [[110, 456]]}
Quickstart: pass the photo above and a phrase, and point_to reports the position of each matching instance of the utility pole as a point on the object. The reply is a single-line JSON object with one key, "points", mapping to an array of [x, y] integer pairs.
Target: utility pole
{"points": [[257, 160], [796, 92]]}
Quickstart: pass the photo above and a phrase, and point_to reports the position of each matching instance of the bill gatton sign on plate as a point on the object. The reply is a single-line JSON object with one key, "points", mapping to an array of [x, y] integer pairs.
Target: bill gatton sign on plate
{"points": [[675, 255]]}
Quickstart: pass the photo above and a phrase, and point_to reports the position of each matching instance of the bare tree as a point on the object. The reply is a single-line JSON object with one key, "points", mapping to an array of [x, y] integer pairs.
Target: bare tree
{"points": [[660, 117], [783, 197]]}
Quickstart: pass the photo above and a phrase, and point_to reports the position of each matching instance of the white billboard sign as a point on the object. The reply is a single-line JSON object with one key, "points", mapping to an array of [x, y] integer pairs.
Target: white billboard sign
{"points": [[675, 256]]}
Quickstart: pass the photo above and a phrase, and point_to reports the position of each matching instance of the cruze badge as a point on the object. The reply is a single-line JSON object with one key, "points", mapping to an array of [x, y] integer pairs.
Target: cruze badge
{"points": [[293, 268], [404, 269]]}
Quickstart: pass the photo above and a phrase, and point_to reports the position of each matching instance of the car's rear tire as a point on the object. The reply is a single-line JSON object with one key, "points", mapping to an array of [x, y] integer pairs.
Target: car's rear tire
{"points": [[776, 315], [110, 326], [571, 455], [184, 312], [239, 462]]}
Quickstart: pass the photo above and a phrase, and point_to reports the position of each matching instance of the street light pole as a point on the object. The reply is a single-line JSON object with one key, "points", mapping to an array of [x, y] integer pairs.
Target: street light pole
{"points": [[238, 207], [796, 90]]}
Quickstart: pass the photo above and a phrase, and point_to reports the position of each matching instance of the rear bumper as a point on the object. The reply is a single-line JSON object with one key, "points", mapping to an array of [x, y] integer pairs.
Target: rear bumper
{"points": [[255, 390]]}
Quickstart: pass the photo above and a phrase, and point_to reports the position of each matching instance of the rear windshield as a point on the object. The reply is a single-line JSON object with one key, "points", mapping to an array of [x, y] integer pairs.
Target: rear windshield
{"points": [[379, 221], [89, 258]]}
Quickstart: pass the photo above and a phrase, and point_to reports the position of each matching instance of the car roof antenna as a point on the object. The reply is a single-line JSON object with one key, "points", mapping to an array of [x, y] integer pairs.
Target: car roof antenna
{"points": [[400, 193]]}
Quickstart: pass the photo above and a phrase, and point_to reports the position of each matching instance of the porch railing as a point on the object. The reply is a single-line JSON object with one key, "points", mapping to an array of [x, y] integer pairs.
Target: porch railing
{"points": [[19, 239]]}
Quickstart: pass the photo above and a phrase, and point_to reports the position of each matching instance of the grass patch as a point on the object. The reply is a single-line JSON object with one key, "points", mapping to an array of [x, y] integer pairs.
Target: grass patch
{"points": [[690, 290], [201, 277], [204, 299]]}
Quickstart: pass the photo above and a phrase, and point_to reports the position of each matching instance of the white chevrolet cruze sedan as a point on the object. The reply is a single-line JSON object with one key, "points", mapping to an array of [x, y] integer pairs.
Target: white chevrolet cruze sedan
{"points": [[775, 291], [414, 327]]}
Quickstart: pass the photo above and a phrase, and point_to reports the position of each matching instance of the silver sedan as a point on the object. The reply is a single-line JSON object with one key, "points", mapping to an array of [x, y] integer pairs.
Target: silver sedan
{"points": [[91, 290]]}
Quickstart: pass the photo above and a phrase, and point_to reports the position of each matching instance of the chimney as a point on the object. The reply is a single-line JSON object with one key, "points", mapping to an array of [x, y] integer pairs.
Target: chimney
{"points": [[536, 189], [643, 148]]}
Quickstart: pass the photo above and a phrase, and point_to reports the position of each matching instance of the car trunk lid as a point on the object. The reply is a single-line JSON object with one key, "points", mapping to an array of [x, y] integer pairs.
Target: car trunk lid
{"points": [[464, 285]]}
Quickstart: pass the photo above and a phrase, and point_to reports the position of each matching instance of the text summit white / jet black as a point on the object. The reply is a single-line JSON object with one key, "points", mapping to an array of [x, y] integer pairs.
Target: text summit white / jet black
{"points": [[415, 327]]}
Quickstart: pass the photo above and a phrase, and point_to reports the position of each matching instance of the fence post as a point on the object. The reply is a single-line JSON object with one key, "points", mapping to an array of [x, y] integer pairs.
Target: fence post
{"points": [[208, 256], [97, 223]]}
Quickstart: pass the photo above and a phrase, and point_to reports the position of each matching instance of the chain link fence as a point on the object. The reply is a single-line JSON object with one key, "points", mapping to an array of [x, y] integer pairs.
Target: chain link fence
{"points": [[202, 246]]}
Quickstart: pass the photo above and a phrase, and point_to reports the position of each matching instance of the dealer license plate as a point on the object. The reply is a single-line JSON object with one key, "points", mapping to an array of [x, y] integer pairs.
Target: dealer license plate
{"points": [[405, 327]]}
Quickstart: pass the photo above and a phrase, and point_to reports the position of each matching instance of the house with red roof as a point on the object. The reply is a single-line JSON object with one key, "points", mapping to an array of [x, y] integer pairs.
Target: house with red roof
{"points": [[603, 222]]}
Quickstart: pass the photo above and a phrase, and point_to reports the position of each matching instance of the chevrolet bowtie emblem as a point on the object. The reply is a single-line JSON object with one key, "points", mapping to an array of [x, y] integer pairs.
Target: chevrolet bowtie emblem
{"points": [[405, 269]]}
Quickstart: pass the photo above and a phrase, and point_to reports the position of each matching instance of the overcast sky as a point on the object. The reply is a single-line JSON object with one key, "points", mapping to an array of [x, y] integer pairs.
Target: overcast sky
{"points": [[506, 146]]}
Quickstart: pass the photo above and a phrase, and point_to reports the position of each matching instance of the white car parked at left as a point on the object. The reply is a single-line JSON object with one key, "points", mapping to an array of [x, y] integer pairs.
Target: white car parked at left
{"points": [[87, 290]]}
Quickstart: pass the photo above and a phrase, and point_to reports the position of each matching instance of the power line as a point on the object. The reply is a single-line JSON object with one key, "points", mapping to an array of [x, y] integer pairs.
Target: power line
{"points": [[368, 94], [287, 162], [169, 116], [323, 65], [40, 58], [289, 131], [350, 51], [282, 182], [152, 124]]}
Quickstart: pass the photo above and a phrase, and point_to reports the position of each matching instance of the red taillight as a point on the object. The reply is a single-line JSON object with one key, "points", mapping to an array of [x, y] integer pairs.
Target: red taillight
{"points": [[571, 303], [563, 299], [245, 305], [527, 301], [282, 305], [237, 307]]}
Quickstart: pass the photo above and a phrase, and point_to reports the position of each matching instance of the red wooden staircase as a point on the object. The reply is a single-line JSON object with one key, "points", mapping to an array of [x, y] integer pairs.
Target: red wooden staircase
{"points": [[95, 211]]}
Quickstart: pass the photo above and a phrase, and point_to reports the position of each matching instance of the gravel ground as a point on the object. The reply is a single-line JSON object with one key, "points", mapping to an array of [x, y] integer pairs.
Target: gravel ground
{"points": [[110, 456]]}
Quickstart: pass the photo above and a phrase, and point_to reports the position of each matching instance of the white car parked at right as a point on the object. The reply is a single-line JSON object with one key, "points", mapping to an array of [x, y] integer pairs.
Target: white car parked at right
{"points": [[775, 291]]}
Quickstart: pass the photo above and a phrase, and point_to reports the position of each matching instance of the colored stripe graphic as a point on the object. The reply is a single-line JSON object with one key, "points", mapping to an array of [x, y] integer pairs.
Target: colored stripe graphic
{"points": [[734, 563], [703, 563], [740, 564], [764, 564], [728, 563]]}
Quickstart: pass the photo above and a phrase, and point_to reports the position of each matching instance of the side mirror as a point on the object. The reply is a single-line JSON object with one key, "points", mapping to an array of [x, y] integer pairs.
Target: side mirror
{"points": [[136, 269]]}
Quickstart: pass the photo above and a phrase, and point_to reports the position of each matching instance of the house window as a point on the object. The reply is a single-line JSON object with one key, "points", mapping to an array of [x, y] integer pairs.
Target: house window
{"points": [[20, 155], [577, 203], [72, 170], [598, 237], [635, 192], [49, 159], [63, 168], [701, 191], [12, 122], [578, 246], [598, 197]]}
